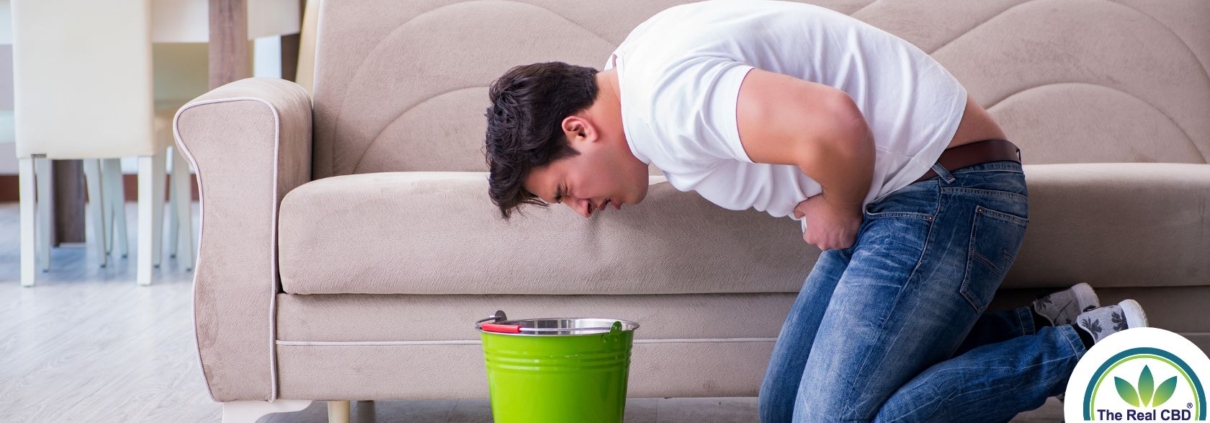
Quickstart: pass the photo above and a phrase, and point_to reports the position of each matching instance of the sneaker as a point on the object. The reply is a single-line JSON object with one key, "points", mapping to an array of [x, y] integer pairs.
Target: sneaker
{"points": [[1109, 320], [1061, 308], [1105, 321]]}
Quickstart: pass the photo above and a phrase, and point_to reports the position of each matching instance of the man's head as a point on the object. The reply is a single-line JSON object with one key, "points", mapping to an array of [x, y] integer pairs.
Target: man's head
{"points": [[554, 135]]}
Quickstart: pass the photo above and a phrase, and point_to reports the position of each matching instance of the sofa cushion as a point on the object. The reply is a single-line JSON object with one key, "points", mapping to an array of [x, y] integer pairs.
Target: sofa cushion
{"points": [[437, 233], [1113, 225], [320, 320]]}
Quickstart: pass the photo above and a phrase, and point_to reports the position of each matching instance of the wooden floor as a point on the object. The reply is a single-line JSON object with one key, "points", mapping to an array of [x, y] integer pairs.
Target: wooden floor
{"points": [[88, 345]]}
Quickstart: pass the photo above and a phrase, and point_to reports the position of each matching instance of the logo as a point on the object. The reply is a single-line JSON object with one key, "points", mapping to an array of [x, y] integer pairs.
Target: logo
{"points": [[1141, 374]]}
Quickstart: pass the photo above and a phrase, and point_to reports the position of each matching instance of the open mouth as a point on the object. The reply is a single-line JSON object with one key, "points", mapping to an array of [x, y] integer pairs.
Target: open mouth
{"points": [[596, 208], [617, 205]]}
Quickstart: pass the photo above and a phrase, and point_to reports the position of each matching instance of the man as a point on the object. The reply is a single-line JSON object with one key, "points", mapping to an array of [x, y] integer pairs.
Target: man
{"points": [[896, 173]]}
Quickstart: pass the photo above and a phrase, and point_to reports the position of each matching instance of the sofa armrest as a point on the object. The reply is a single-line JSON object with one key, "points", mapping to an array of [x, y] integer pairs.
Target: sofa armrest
{"points": [[1115, 225], [250, 143]]}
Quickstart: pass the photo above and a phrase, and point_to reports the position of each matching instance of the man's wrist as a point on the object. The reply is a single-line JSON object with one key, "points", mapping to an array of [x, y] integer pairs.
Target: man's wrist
{"points": [[844, 208]]}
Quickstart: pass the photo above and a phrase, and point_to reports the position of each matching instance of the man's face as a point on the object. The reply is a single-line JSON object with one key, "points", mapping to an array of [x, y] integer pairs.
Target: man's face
{"points": [[605, 174]]}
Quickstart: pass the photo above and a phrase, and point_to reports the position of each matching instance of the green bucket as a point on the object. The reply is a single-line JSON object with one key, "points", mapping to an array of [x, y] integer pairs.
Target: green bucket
{"points": [[557, 370]]}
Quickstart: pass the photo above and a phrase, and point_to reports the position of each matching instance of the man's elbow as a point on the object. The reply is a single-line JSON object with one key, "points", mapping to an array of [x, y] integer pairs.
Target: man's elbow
{"points": [[834, 129], [850, 126], [843, 154]]}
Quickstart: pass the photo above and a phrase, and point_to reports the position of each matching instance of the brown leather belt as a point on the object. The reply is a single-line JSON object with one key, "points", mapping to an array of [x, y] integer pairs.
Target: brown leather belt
{"points": [[977, 152]]}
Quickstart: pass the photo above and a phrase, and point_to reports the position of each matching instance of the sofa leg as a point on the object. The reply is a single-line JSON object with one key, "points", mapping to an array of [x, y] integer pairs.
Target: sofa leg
{"points": [[251, 411], [338, 412]]}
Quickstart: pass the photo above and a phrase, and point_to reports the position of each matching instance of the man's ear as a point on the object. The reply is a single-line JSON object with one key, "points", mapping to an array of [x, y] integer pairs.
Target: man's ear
{"points": [[578, 129]]}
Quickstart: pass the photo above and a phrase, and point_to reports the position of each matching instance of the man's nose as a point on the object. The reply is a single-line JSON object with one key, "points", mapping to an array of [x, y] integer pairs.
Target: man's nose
{"points": [[581, 206]]}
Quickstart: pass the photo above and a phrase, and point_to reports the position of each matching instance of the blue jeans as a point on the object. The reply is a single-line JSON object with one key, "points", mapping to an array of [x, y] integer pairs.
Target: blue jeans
{"points": [[893, 328]]}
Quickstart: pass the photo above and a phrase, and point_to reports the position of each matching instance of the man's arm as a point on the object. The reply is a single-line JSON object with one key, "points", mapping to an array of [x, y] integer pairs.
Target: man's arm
{"points": [[786, 120]]}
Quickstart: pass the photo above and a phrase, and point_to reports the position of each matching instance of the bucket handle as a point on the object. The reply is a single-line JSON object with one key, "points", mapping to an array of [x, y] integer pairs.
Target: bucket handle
{"points": [[495, 317], [499, 316]]}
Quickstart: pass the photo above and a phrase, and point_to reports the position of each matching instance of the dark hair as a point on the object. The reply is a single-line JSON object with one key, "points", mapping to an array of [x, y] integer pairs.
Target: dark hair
{"points": [[524, 125]]}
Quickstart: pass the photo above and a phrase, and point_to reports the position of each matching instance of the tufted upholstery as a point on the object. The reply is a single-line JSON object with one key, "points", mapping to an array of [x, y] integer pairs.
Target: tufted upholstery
{"points": [[401, 86]]}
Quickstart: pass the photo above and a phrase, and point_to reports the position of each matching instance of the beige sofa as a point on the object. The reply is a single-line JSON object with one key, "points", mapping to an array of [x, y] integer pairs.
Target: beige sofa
{"points": [[348, 243]]}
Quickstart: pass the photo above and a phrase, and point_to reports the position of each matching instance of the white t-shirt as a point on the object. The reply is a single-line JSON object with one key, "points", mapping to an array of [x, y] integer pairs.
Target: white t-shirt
{"points": [[680, 74]]}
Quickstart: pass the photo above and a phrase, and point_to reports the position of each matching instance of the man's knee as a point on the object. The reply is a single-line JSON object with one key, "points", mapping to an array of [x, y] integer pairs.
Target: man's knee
{"points": [[830, 401], [844, 389], [812, 411]]}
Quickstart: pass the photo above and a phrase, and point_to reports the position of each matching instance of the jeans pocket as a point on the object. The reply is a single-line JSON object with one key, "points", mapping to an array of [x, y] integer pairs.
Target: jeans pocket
{"points": [[995, 239], [918, 201]]}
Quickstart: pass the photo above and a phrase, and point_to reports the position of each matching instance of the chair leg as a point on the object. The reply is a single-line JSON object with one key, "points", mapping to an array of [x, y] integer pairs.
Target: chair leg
{"points": [[251, 411], [183, 208], [173, 224], [338, 412], [43, 168], [108, 207], [25, 166], [160, 164], [148, 173], [112, 174], [96, 208]]}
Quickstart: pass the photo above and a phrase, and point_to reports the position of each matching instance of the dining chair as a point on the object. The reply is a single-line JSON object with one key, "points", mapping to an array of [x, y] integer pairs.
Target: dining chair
{"points": [[83, 89]]}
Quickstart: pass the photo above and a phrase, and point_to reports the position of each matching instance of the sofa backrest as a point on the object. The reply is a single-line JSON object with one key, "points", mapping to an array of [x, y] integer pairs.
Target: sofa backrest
{"points": [[402, 85]]}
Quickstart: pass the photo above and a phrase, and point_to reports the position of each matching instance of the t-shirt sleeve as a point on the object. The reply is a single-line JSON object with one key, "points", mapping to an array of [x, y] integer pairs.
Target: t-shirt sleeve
{"points": [[694, 106]]}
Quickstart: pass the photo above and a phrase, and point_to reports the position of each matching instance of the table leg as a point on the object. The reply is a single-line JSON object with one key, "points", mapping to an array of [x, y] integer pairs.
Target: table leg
{"points": [[68, 206], [229, 59]]}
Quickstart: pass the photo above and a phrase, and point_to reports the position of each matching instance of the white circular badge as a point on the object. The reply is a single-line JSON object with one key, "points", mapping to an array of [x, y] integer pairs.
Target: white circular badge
{"points": [[1139, 375]]}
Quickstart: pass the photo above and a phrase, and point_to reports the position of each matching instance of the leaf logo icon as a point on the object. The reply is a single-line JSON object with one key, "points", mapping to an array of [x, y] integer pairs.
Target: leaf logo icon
{"points": [[1147, 395]]}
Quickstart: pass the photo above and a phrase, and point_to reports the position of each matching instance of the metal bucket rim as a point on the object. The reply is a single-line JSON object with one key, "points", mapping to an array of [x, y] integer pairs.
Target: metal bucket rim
{"points": [[627, 326]]}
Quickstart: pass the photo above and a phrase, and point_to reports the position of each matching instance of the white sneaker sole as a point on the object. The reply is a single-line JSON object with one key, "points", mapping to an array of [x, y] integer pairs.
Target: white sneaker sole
{"points": [[1085, 296], [1135, 318]]}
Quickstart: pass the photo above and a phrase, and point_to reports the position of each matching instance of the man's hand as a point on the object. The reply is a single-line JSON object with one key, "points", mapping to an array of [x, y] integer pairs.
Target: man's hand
{"points": [[828, 227]]}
